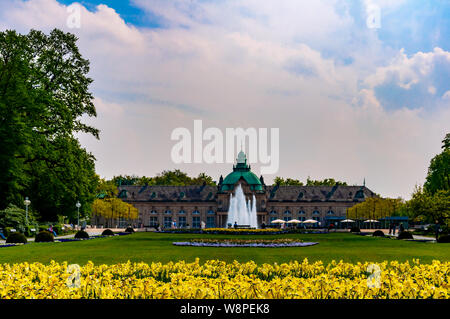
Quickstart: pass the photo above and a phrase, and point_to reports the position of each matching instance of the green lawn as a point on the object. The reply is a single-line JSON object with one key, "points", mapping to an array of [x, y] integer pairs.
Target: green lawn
{"points": [[156, 247]]}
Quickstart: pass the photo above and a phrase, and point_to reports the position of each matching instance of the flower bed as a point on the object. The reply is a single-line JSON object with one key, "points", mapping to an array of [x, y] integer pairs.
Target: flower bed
{"points": [[274, 243], [217, 279], [228, 231]]}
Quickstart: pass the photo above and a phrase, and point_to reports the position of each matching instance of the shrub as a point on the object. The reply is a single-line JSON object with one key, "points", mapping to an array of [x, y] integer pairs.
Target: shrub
{"points": [[355, 229], [16, 238], [405, 235], [81, 235], [378, 233], [44, 236], [129, 230], [107, 232], [58, 229], [444, 239]]}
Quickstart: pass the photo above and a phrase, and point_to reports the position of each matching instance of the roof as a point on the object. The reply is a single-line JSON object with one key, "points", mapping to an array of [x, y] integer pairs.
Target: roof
{"points": [[318, 193], [199, 193], [241, 171]]}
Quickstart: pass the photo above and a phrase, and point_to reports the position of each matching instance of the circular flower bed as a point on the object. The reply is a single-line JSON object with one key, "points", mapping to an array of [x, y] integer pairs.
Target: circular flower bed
{"points": [[228, 231], [264, 243]]}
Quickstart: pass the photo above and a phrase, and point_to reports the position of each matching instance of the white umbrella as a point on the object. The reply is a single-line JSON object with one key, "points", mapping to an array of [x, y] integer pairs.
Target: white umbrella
{"points": [[294, 221], [371, 221], [277, 221], [347, 221], [310, 221]]}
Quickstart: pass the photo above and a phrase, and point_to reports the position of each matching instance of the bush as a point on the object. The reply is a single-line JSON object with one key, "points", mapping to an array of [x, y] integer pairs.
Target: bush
{"points": [[43, 237], [355, 229], [107, 232], [405, 235], [129, 230], [16, 238], [58, 229], [81, 235], [444, 239], [378, 233]]}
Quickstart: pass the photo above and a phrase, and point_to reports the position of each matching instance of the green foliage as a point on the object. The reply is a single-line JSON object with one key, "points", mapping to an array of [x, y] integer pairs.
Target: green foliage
{"points": [[107, 232], [377, 207], [16, 238], [175, 178], [43, 237], [15, 217], [43, 97], [444, 239], [378, 233], [431, 208], [286, 182], [280, 181], [438, 177], [405, 235], [81, 234]]}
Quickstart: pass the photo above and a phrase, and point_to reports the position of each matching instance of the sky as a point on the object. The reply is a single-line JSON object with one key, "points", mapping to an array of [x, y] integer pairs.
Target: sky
{"points": [[358, 89]]}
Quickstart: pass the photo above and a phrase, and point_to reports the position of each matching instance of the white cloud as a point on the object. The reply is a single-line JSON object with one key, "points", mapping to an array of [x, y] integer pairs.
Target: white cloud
{"points": [[252, 65]]}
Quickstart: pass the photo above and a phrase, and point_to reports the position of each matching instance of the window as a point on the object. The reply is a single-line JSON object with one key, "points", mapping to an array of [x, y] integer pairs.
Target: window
{"points": [[211, 212], [181, 212], [330, 212], [196, 212], [153, 222], [316, 212], [182, 221], [273, 213], [287, 218], [271, 219], [302, 218], [210, 222], [153, 212], [301, 212], [167, 222], [287, 212], [196, 222], [168, 211]]}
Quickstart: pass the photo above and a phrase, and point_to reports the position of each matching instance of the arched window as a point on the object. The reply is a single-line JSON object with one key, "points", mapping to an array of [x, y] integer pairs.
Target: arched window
{"points": [[168, 211], [195, 212], [153, 212], [301, 212], [287, 212], [316, 212], [181, 212], [330, 212], [211, 212], [273, 213]]}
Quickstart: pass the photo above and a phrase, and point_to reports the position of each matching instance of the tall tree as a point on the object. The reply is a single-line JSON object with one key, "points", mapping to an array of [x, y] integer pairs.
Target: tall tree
{"points": [[44, 93], [438, 177]]}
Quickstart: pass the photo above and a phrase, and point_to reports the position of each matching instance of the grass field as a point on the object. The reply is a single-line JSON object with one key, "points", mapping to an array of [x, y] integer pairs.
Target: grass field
{"points": [[157, 247]]}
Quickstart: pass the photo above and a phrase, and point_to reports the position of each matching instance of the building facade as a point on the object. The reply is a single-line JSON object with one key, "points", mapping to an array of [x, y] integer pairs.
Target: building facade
{"points": [[189, 206]]}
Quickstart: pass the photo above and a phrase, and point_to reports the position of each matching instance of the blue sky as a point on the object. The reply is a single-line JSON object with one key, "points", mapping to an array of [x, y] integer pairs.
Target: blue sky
{"points": [[351, 102]]}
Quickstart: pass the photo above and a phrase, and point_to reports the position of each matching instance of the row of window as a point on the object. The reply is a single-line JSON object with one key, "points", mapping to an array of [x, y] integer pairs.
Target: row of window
{"points": [[170, 222], [182, 212], [302, 212]]}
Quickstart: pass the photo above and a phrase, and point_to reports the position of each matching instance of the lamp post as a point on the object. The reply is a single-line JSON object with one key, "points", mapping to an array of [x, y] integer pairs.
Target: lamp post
{"points": [[78, 205], [27, 203]]}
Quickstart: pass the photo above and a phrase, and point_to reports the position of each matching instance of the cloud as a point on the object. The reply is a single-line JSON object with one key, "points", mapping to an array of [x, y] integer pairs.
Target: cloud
{"points": [[257, 64]]}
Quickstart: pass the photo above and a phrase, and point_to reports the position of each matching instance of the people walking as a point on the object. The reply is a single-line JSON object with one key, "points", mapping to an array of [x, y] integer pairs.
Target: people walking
{"points": [[394, 228]]}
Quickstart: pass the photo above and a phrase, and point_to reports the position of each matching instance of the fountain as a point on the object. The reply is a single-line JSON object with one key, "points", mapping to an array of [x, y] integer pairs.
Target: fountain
{"points": [[241, 211]]}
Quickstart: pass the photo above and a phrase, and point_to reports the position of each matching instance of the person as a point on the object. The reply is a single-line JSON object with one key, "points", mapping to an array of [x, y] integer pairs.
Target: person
{"points": [[401, 228], [263, 225], [436, 229], [235, 225], [390, 228], [394, 228]]}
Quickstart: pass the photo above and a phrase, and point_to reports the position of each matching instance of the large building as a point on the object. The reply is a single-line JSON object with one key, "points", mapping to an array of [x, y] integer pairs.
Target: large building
{"points": [[189, 206]]}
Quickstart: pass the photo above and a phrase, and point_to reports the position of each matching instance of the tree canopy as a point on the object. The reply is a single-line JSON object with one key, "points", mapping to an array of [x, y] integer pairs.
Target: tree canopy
{"points": [[175, 178], [309, 182], [44, 93]]}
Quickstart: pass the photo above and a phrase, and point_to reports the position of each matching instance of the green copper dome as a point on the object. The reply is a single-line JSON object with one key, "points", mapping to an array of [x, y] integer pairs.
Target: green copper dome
{"points": [[241, 170]]}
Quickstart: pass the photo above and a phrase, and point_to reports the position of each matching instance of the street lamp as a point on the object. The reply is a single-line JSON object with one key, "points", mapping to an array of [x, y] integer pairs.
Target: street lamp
{"points": [[27, 203], [78, 207]]}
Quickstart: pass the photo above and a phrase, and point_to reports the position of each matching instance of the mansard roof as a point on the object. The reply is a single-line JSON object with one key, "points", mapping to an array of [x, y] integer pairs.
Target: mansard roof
{"points": [[199, 193], [192, 193], [318, 193]]}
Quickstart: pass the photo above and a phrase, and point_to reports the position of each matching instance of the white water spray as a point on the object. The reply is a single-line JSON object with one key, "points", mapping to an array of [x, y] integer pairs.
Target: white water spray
{"points": [[240, 211]]}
